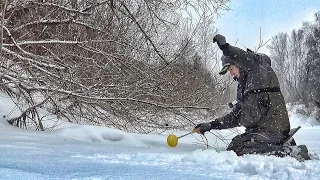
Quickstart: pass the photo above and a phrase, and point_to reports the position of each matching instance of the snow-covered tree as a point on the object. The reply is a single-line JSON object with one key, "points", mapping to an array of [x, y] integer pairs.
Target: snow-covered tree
{"points": [[126, 64]]}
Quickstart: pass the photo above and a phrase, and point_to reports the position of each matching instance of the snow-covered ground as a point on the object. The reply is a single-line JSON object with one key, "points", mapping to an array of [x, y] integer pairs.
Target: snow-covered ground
{"points": [[89, 152]]}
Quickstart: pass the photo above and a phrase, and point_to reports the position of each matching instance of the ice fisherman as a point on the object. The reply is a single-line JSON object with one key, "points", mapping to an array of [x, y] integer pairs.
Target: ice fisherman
{"points": [[260, 106]]}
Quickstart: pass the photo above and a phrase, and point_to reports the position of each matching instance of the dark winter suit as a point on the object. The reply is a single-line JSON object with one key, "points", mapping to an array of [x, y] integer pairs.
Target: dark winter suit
{"points": [[260, 108]]}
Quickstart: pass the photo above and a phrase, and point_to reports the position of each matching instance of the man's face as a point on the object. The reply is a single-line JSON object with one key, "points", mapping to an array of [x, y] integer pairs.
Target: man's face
{"points": [[234, 71]]}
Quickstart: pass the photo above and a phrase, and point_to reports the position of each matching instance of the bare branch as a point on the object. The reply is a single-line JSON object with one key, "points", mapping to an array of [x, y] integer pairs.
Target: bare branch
{"points": [[26, 111], [94, 5], [145, 34], [34, 63], [54, 22], [46, 42], [63, 8], [2, 23], [261, 43], [101, 62]]}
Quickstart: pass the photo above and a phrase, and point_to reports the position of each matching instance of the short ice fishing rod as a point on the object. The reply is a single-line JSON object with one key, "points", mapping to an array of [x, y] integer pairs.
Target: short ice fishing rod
{"points": [[172, 139]]}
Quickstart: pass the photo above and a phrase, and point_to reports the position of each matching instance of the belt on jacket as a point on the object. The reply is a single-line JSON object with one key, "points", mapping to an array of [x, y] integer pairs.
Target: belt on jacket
{"points": [[257, 91]]}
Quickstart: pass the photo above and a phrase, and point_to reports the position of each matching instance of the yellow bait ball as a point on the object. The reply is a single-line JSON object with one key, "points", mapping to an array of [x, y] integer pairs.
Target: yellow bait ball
{"points": [[172, 140]]}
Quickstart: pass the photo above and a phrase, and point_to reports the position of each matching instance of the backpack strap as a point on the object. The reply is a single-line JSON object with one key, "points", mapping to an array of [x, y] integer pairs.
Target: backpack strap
{"points": [[258, 91]]}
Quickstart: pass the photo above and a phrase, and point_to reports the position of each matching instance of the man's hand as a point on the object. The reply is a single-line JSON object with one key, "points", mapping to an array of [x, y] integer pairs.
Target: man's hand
{"points": [[202, 128], [221, 40]]}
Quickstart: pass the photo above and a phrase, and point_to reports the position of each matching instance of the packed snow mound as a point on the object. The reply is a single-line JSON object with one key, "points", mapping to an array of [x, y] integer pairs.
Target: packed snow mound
{"points": [[92, 133]]}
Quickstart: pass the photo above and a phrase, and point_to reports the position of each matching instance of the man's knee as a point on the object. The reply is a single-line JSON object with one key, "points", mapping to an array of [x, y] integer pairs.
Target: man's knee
{"points": [[249, 144], [248, 147]]}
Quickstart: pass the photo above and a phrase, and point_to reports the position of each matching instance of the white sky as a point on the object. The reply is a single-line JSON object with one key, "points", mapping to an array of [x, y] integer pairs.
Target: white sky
{"points": [[242, 24]]}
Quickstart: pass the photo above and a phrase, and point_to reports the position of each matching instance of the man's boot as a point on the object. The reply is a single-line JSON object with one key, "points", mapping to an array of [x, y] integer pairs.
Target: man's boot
{"points": [[300, 153]]}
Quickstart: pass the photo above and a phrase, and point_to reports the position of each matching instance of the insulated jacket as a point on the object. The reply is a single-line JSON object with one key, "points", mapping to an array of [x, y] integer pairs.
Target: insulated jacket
{"points": [[261, 106]]}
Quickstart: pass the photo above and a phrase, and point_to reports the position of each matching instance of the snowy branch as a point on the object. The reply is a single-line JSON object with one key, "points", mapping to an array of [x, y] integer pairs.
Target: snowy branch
{"points": [[2, 23], [99, 62], [54, 22], [143, 31], [63, 8], [46, 42], [100, 99], [34, 63], [26, 111], [94, 5]]}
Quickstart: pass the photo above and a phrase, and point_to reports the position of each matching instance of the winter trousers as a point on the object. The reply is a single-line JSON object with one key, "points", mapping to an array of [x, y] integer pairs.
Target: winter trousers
{"points": [[270, 143]]}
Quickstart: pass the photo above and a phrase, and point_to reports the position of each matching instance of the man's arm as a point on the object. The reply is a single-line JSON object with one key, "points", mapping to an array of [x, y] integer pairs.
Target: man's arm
{"points": [[243, 59], [230, 120]]}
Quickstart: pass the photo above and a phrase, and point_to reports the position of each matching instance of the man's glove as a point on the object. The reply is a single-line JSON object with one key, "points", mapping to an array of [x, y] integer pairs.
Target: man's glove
{"points": [[204, 127], [221, 40]]}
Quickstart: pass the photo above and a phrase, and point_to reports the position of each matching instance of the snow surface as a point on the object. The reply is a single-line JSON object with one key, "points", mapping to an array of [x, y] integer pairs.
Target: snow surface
{"points": [[74, 151]]}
